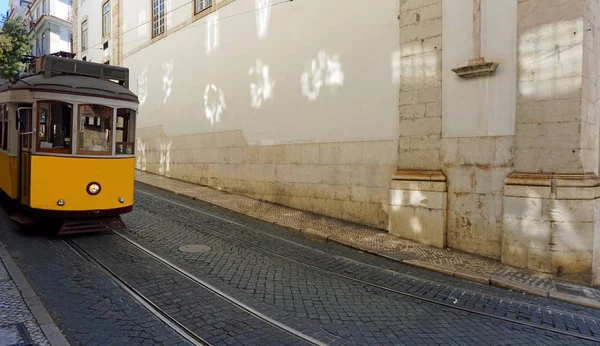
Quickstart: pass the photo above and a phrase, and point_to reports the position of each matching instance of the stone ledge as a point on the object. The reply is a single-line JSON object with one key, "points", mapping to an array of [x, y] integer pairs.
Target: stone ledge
{"points": [[564, 186], [430, 266], [419, 175], [559, 180], [314, 234], [411, 185], [569, 298], [517, 286], [471, 276]]}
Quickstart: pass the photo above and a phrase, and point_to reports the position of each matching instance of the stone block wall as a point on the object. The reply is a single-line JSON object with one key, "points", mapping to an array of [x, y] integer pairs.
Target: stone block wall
{"points": [[418, 207], [347, 180], [420, 84], [549, 224], [552, 133], [418, 199], [475, 169]]}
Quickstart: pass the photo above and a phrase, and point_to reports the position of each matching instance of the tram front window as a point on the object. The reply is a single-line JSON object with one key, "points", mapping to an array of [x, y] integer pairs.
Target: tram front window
{"points": [[54, 123], [125, 135], [95, 130]]}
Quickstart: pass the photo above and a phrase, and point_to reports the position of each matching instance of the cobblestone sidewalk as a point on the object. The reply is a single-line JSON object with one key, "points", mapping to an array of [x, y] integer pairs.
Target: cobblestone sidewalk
{"points": [[23, 319], [446, 261]]}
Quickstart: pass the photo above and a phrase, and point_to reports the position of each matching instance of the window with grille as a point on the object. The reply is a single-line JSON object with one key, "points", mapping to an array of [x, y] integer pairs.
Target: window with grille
{"points": [[106, 19], [84, 38], [201, 5], [158, 17]]}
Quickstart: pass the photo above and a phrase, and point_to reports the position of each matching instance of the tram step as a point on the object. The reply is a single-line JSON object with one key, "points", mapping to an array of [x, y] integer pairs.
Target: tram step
{"points": [[93, 225], [22, 219]]}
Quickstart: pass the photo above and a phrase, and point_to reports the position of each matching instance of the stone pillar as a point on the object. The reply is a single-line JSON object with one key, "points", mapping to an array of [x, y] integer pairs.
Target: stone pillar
{"points": [[551, 205], [418, 197], [76, 27], [116, 33]]}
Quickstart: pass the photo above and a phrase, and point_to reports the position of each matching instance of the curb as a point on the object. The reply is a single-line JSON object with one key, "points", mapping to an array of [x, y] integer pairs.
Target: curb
{"points": [[490, 280], [47, 325]]}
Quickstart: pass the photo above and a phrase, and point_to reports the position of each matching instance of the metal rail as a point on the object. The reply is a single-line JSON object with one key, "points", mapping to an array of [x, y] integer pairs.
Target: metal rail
{"points": [[329, 272], [220, 293], [140, 298]]}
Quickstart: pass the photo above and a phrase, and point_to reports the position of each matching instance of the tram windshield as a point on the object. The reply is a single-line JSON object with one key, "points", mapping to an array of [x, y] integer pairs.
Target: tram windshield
{"points": [[99, 130], [95, 130], [54, 119]]}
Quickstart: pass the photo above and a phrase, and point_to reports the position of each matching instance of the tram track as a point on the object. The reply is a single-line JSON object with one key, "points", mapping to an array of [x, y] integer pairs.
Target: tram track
{"points": [[184, 332], [553, 320], [165, 317]]}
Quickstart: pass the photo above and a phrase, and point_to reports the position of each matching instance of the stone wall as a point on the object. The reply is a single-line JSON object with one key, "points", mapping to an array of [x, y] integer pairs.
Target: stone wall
{"points": [[476, 168], [551, 134], [551, 205], [346, 180], [550, 222], [420, 84], [418, 192]]}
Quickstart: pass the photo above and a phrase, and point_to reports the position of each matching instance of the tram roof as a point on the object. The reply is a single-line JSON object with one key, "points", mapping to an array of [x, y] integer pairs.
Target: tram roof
{"points": [[72, 84]]}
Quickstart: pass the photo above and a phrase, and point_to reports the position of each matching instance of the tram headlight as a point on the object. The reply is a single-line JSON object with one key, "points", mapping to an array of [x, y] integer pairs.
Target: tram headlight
{"points": [[121, 200], [93, 189], [61, 202]]}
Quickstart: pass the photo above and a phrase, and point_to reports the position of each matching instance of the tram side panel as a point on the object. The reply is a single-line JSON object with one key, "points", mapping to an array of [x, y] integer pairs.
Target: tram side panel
{"points": [[56, 178], [9, 170]]}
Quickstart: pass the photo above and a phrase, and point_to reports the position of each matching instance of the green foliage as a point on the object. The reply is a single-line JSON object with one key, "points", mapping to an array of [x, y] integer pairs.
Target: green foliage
{"points": [[14, 44]]}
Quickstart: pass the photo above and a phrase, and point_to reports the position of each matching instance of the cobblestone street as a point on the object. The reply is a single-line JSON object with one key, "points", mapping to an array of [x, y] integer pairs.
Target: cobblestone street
{"points": [[211, 276]]}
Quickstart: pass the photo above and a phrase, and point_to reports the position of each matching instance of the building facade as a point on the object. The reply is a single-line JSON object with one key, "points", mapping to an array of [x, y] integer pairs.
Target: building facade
{"points": [[97, 27], [469, 124], [18, 8], [49, 23]]}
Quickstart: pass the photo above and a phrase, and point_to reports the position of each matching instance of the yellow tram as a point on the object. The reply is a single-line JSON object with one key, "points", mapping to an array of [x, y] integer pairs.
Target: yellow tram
{"points": [[67, 140]]}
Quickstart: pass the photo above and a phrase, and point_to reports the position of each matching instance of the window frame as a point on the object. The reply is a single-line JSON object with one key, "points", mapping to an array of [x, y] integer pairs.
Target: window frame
{"points": [[157, 28], [81, 152], [196, 2], [129, 127], [84, 38], [37, 139], [43, 38], [106, 20], [4, 126]]}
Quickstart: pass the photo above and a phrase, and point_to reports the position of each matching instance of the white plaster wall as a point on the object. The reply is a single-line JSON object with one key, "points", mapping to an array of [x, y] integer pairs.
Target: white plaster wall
{"points": [[357, 100], [60, 40], [60, 9], [481, 106], [93, 10], [177, 12], [137, 23]]}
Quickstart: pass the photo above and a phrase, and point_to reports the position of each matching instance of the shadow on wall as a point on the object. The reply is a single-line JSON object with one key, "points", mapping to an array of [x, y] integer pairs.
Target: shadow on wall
{"points": [[550, 58]]}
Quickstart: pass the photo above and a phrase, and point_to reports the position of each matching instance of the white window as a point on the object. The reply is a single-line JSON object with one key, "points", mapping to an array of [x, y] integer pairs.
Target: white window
{"points": [[106, 19], [201, 5], [158, 17], [84, 27]]}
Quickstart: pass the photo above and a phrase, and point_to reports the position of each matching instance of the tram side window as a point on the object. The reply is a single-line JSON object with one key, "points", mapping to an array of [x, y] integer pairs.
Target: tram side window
{"points": [[54, 121], [95, 130], [125, 135], [4, 127]]}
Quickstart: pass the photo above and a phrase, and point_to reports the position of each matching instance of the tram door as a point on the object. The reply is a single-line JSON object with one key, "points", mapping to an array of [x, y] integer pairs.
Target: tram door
{"points": [[25, 134]]}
